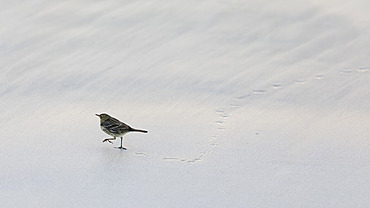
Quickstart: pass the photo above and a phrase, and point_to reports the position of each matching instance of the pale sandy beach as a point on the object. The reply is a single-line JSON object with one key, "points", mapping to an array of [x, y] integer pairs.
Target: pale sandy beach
{"points": [[247, 104]]}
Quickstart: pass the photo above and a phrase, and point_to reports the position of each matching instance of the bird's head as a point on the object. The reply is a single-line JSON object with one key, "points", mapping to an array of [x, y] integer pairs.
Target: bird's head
{"points": [[103, 116]]}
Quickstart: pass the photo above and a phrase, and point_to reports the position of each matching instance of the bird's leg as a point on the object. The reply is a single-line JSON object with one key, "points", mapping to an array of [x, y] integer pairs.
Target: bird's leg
{"points": [[121, 144], [108, 140]]}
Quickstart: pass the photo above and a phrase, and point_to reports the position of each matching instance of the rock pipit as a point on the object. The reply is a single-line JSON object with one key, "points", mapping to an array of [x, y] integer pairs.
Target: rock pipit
{"points": [[115, 128]]}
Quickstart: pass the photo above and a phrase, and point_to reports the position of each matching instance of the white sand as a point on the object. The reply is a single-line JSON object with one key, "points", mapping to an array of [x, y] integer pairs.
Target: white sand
{"points": [[247, 104]]}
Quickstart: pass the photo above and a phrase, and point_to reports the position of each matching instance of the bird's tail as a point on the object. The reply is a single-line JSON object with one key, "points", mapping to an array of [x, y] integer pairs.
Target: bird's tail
{"points": [[139, 130]]}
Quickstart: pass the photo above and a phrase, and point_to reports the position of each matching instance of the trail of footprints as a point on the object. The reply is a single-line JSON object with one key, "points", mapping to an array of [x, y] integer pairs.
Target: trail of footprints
{"points": [[223, 113], [219, 125]]}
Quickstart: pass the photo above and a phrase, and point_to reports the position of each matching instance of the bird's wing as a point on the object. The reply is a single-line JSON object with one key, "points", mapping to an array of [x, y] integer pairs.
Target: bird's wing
{"points": [[109, 124], [124, 127], [115, 126]]}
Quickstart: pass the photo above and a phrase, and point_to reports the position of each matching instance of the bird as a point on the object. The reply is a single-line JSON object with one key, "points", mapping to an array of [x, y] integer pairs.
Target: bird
{"points": [[115, 128]]}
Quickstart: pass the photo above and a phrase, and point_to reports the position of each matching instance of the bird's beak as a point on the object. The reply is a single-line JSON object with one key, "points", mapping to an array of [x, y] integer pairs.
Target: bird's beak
{"points": [[97, 115]]}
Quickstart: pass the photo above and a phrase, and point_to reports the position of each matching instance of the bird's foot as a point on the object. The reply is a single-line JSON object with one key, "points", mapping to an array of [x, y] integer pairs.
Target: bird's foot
{"points": [[123, 148], [107, 140]]}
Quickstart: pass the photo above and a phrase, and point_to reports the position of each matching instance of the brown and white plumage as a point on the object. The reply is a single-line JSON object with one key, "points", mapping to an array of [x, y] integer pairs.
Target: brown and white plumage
{"points": [[115, 128]]}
